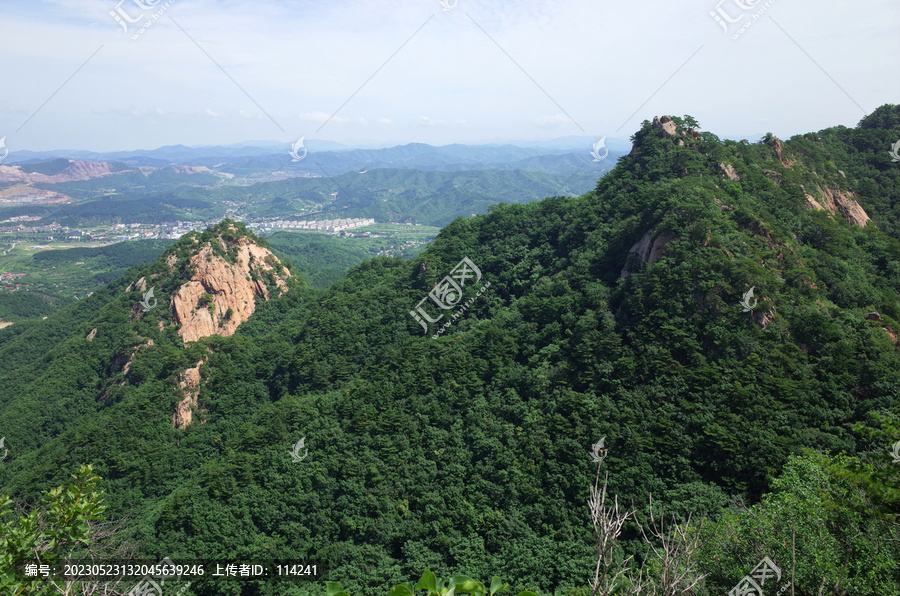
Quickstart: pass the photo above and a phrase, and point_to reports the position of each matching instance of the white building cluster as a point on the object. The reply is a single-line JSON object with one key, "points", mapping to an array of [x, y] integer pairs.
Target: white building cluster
{"points": [[322, 225]]}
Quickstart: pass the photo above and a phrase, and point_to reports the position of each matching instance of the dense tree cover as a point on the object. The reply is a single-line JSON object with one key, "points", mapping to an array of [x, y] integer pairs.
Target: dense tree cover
{"points": [[319, 258], [121, 255], [15, 306], [469, 453]]}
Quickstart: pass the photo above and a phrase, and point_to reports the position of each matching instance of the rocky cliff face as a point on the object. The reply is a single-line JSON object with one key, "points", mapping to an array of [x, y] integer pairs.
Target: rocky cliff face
{"points": [[221, 295], [189, 383], [214, 282], [836, 201], [645, 251]]}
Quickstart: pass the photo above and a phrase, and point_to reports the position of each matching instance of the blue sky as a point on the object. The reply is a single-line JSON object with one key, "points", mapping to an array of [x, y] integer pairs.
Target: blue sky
{"points": [[384, 72]]}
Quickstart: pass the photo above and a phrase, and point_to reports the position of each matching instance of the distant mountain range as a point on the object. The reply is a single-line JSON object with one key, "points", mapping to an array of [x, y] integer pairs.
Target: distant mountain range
{"points": [[558, 156]]}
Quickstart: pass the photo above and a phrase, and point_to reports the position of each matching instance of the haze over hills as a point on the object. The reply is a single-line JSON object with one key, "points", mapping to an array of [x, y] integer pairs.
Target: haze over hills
{"points": [[181, 154], [448, 182], [724, 315]]}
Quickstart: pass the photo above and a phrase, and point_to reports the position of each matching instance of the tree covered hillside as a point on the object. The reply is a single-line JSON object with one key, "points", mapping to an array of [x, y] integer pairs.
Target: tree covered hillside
{"points": [[624, 314]]}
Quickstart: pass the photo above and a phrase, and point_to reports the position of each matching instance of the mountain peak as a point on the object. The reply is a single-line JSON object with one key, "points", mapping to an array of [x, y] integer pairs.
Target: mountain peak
{"points": [[223, 272]]}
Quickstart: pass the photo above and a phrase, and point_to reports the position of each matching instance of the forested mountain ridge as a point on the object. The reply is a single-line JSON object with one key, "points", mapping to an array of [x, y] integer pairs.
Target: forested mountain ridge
{"points": [[616, 314]]}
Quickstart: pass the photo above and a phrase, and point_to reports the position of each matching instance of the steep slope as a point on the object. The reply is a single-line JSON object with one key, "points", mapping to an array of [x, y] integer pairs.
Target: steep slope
{"points": [[470, 452], [226, 281], [204, 284]]}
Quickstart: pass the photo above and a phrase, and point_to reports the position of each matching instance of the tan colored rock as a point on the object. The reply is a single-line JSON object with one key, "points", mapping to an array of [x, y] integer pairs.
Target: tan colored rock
{"points": [[189, 383], [228, 286], [729, 172], [76, 170], [666, 125], [834, 200], [779, 152], [848, 207], [138, 286], [767, 316], [127, 368]]}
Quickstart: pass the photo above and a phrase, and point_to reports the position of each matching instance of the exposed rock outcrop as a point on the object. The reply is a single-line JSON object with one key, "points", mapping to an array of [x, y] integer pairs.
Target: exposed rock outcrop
{"points": [[645, 251], [729, 172], [138, 286], [222, 295], [767, 314], [76, 170], [834, 200], [776, 145], [666, 125], [127, 368], [189, 383]]}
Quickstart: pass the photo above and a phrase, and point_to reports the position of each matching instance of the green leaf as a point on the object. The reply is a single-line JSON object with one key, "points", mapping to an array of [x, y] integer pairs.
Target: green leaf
{"points": [[428, 581], [333, 589], [466, 584], [526, 593], [401, 590], [497, 586]]}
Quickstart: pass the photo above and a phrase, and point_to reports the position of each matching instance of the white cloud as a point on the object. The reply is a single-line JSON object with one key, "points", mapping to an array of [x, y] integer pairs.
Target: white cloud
{"points": [[322, 118], [289, 64], [554, 121]]}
